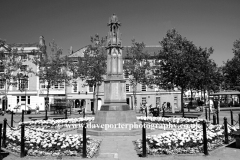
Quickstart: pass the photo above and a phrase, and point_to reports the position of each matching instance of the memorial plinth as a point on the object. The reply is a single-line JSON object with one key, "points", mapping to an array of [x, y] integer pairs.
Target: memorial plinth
{"points": [[115, 109]]}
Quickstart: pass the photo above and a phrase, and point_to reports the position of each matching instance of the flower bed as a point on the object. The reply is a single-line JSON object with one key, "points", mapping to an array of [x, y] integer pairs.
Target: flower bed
{"points": [[50, 143], [170, 120], [176, 123], [58, 124], [188, 141]]}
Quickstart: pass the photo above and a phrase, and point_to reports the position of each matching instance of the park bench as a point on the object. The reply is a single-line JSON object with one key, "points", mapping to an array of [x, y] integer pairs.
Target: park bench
{"points": [[168, 116], [56, 118], [191, 115], [35, 119]]}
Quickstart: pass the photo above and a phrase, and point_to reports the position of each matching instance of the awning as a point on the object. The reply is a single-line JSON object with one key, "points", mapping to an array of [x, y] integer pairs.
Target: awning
{"points": [[225, 93], [82, 96]]}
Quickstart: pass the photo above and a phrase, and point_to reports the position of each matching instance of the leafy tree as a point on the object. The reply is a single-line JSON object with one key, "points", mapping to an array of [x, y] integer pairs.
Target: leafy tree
{"points": [[92, 66], [137, 65], [9, 66], [176, 66], [231, 69], [51, 67]]}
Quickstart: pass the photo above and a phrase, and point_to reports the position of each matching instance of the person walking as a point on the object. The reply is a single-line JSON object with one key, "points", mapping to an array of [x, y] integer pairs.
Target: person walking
{"points": [[211, 104], [37, 109]]}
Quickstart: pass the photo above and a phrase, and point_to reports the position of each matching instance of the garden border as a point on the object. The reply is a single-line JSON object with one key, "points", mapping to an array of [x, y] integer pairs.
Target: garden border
{"points": [[138, 151]]}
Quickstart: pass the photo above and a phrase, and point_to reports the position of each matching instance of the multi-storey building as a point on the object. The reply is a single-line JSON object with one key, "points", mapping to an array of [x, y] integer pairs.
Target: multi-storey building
{"points": [[152, 96], [34, 91], [28, 91]]}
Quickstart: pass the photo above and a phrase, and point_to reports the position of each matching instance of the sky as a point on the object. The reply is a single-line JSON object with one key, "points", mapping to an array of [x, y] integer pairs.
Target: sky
{"points": [[207, 23]]}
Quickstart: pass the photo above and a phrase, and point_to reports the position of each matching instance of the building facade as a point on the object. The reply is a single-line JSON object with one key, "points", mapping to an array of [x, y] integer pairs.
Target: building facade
{"points": [[80, 94], [76, 91]]}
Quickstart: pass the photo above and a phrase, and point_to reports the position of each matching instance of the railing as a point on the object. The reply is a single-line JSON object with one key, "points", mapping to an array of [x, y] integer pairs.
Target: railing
{"points": [[22, 127]]}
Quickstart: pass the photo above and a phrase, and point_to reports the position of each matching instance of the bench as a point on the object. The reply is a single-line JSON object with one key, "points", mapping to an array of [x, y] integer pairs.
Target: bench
{"points": [[192, 116], [35, 119], [56, 118], [168, 116]]}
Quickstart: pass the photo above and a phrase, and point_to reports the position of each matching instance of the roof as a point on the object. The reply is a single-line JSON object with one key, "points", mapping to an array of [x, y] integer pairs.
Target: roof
{"points": [[150, 49], [225, 93], [23, 47], [78, 53], [24, 44]]}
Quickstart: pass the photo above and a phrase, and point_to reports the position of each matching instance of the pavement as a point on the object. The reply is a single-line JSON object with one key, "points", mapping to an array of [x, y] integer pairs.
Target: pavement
{"points": [[122, 148]]}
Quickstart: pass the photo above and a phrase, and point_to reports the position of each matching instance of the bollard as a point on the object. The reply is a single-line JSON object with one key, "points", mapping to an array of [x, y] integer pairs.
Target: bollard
{"points": [[22, 115], [231, 113], [206, 113], [226, 130], [46, 117], [84, 113], [239, 120], [163, 112], [209, 114], [183, 113], [0, 139], [12, 119], [144, 141], [217, 117], [205, 147], [22, 154], [214, 119], [4, 133], [66, 114], [84, 141], [146, 111]]}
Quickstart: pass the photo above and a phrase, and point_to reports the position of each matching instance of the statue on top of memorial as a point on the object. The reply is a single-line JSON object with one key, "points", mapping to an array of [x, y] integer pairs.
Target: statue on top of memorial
{"points": [[114, 37]]}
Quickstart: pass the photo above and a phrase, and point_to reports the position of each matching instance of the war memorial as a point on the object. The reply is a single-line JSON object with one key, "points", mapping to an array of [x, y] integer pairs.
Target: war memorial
{"points": [[166, 136]]}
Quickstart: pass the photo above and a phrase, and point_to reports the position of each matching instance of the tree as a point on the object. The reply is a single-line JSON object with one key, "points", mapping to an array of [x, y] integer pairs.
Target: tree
{"points": [[91, 68], [231, 69], [51, 67], [176, 63], [137, 65], [9, 65]]}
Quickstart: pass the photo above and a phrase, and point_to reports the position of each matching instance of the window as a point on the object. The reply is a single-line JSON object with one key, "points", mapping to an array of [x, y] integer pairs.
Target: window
{"points": [[2, 84], [144, 100], [74, 87], [56, 85], [61, 85], [23, 84], [1, 67], [90, 89], [28, 100], [23, 98], [23, 68], [23, 57], [42, 84], [126, 74], [127, 88], [144, 88]]}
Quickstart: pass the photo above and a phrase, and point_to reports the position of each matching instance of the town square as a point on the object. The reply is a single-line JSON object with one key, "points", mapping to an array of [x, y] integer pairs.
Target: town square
{"points": [[119, 80]]}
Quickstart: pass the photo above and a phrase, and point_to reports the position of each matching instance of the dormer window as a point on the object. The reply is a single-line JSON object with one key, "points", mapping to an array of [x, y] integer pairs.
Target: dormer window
{"points": [[23, 68]]}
